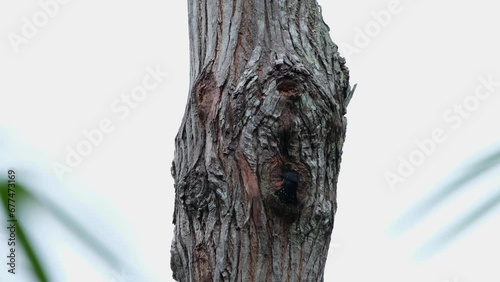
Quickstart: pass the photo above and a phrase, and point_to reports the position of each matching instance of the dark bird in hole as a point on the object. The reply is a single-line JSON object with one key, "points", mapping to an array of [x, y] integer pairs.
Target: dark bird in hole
{"points": [[288, 192]]}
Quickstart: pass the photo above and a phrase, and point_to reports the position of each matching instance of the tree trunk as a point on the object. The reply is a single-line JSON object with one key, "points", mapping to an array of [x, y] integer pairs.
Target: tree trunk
{"points": [[258, 152]]}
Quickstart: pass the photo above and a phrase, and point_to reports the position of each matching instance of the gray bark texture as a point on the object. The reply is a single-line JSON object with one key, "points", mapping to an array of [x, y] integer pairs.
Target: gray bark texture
{"points": [[268, 93]]}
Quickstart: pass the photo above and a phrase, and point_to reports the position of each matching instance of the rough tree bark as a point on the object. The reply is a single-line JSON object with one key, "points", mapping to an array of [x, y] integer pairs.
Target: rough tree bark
{"points": [[268, 93]]}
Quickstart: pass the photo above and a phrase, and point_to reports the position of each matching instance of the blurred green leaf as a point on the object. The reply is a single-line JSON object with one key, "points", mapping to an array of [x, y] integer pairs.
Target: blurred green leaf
{"points": [[441, 240], [426, 206], [429, 204], [24, 197], [33, 257]]}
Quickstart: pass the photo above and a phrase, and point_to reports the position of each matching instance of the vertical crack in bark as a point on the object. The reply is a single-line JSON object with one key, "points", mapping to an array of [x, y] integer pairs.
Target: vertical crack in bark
{"points": [[267, 101]]}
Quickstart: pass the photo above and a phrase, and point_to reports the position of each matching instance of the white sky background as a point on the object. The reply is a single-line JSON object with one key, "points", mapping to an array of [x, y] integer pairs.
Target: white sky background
{"points": [[422, 62]]}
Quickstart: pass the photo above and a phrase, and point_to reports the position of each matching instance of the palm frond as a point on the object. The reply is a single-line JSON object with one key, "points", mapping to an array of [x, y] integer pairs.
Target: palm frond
{"points": [[25, 197], [429, 204], [417, 213]]}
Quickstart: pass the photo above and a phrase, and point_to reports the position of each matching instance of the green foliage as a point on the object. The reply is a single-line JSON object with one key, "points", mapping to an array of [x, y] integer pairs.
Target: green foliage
{"points": [[20, 196], [470, 216], [23, 197]]}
